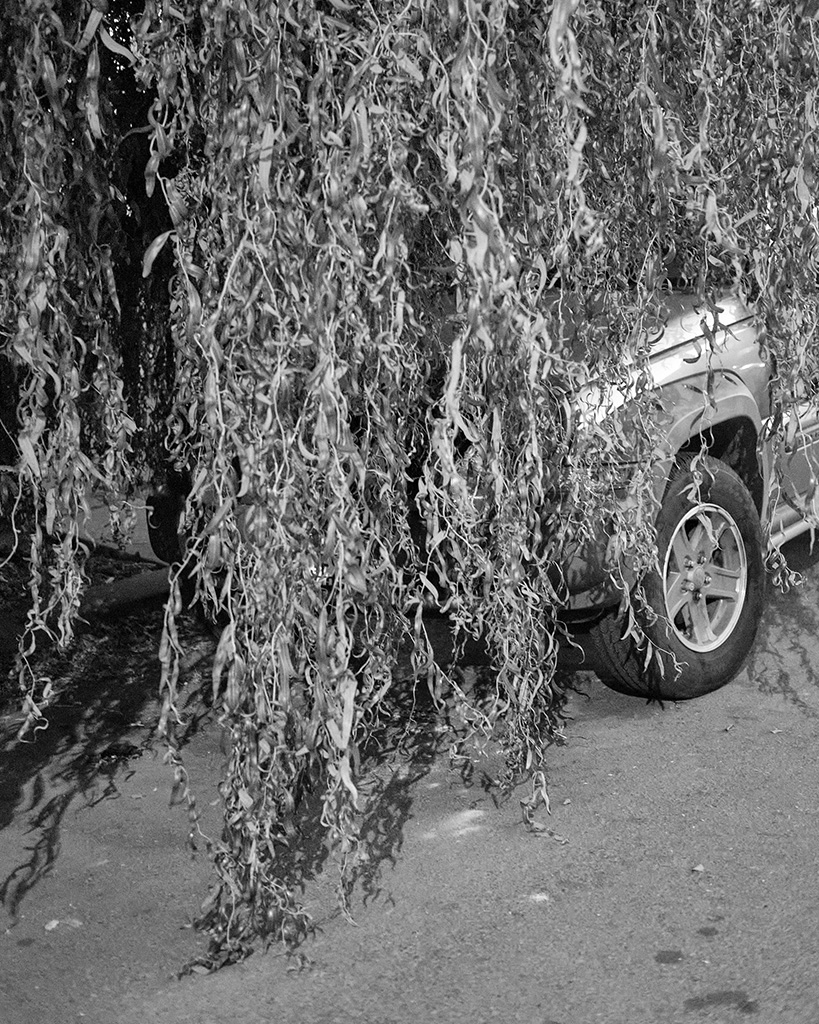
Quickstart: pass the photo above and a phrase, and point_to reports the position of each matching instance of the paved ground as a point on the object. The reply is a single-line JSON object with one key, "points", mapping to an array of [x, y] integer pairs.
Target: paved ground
{"points": [[679, 884]]}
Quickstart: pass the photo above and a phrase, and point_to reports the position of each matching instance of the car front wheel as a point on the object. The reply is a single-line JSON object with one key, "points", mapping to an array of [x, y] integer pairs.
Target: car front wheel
{"points": [[704, 605]]}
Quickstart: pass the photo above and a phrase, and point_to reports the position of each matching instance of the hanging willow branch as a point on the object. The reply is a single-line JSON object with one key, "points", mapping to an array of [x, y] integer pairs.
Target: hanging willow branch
{"points": [[403, 237], [59, 303]]}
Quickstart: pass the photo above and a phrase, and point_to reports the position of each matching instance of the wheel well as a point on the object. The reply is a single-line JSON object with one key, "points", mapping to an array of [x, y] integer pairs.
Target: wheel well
{"points": [[734, 442]]}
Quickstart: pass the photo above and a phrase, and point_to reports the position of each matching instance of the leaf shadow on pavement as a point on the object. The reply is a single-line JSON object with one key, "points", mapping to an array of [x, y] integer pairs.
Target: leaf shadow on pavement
{"points": [[398, 755], [411, 731], [104, 716], [105, 684], [785, 656], [399, 752]]}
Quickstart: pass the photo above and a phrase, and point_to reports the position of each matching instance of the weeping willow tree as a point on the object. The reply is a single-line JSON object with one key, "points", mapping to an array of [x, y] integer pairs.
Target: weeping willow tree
{"points": [[398, 237]]}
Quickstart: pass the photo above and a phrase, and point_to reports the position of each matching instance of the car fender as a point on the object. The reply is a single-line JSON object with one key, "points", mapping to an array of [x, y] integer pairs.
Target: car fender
{"points": [[695, 411], [689, 410]]}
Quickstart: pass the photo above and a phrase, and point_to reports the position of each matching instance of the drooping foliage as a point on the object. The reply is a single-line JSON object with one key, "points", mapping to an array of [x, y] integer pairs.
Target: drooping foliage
{"points": [[65, 234], [398, 238]]}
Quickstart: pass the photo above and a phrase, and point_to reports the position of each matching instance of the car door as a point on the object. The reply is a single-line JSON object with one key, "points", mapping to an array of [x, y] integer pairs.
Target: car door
{"points": [[797, 479]]}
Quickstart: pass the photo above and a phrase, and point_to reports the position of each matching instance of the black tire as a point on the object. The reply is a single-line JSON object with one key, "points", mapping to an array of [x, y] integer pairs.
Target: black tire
{"points": [[705, 603], [164, 514], [167, 540]]}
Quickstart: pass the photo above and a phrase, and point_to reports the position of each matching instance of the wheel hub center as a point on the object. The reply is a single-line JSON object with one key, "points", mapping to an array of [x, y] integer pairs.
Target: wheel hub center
{"points": [[697, 578]]}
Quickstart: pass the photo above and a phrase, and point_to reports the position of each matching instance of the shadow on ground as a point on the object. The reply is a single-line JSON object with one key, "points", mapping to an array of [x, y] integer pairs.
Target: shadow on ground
{"points": [[106, 684], [786, 653], [105, 716]]}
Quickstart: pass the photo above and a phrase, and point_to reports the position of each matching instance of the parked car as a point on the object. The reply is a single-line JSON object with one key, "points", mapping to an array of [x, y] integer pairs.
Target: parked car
{"points": [[721, 508]]}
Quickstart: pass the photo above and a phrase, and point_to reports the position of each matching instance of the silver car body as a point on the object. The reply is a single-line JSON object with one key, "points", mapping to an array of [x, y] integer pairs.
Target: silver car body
{"points": [[717, 387]]}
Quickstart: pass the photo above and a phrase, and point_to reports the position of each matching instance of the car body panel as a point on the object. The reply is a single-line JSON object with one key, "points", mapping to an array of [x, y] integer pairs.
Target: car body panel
{"points": [[703, 379]]}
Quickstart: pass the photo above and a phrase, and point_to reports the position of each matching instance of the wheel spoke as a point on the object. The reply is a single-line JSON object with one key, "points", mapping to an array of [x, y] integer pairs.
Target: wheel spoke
{"points": [[700, 623], [682, 548], [713, 531], [725, 583], [701, 530], [675, 597]]}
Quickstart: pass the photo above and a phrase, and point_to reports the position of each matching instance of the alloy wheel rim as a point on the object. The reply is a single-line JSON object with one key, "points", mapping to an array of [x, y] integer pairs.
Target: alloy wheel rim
{"points": [[705, 578]]}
